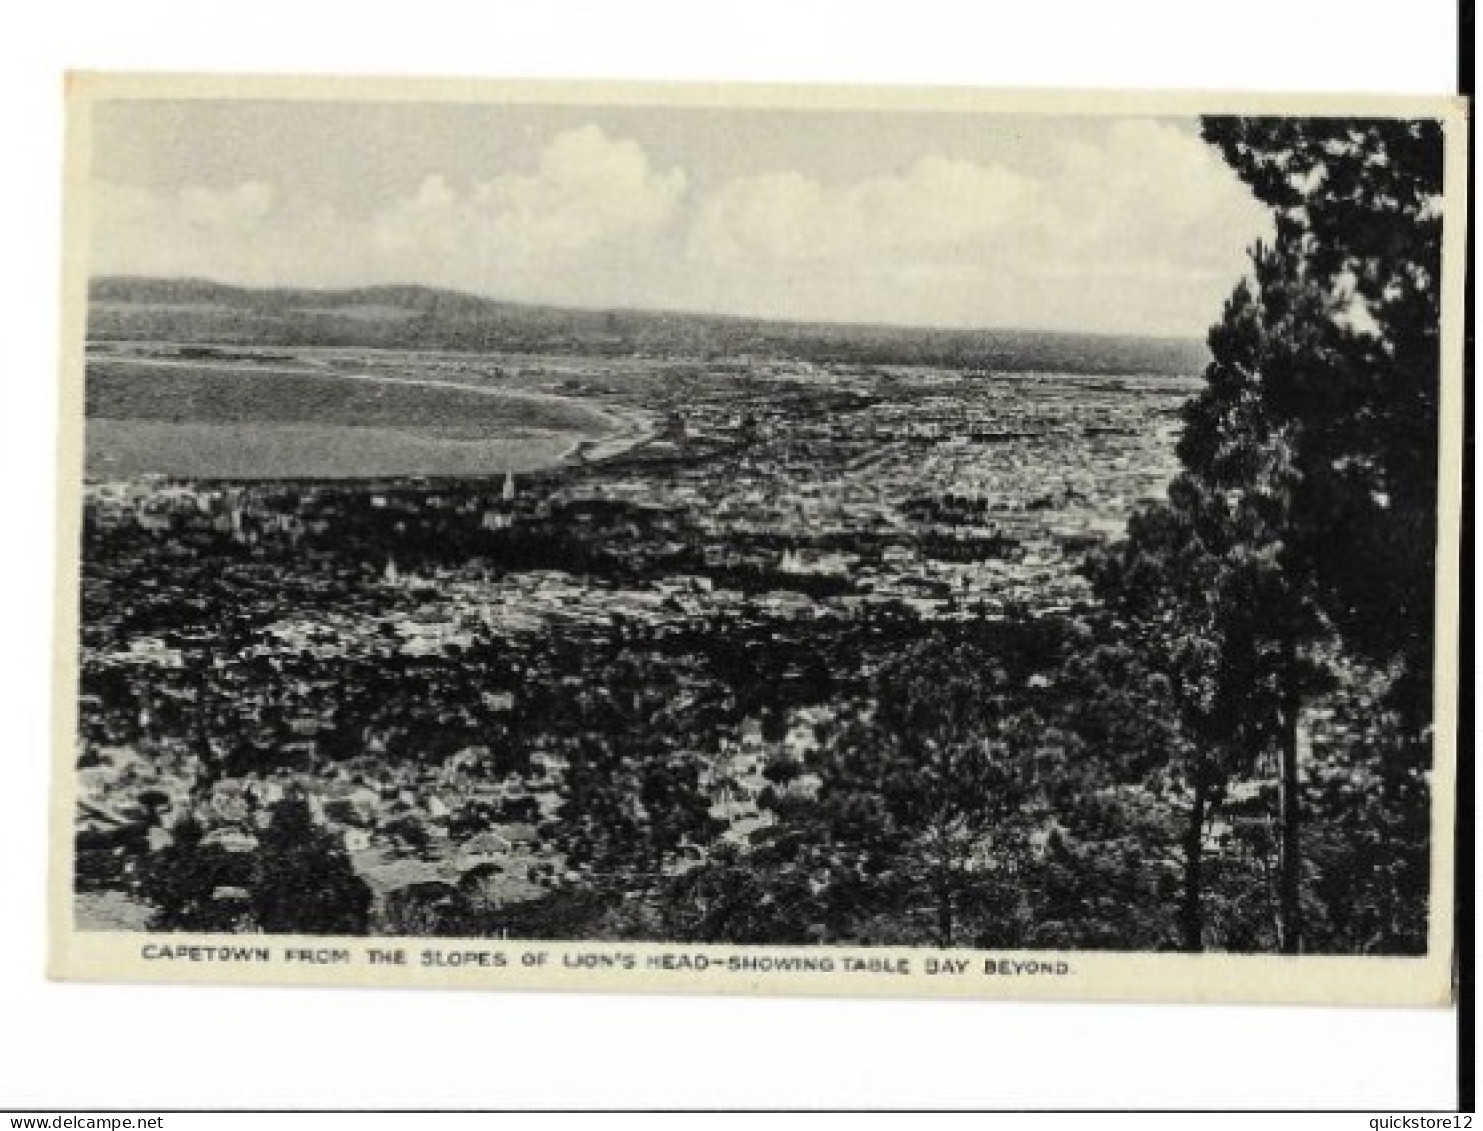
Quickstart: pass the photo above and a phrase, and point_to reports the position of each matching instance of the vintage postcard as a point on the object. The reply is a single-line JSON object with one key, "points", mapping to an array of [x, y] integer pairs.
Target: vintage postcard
{"points": [[759, 539]]}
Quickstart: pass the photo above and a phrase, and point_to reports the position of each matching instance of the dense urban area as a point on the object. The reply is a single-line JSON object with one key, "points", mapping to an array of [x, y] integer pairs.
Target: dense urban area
{"points": [[808, 654]]}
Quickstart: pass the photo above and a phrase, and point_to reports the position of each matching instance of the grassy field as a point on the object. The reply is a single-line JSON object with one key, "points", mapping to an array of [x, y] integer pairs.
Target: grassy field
{"points": [[233, 421]]}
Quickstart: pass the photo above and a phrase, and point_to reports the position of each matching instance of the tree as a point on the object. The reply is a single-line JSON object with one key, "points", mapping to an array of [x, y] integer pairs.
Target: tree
{"points": [[744, 898], [1347, 379], [1223, 575], [1209, 627], [183, 880], [912, 829], [1136, 763], [631, 794], [428, 909], [304, 883], [1356, 382], [1306, 502], [950, 776]]}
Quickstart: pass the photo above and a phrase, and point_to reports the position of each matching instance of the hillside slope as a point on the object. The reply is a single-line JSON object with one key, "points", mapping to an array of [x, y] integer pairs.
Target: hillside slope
{"points": [[411, 317]]}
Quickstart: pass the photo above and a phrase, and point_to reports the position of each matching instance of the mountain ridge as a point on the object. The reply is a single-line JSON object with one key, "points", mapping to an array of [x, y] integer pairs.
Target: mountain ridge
{"points": [[196, 310]]}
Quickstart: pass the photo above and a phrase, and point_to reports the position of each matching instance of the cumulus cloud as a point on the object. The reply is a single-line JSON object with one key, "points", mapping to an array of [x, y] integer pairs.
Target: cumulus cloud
{"points": [[1135, 225], [1152, 193], [941, 206], [590, 200], [590, 197], [1142, 228]]}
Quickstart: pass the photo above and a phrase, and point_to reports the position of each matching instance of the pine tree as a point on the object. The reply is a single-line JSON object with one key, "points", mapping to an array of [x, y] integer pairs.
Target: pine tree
{"points": [[1306, 503], [1346, 382], [1353, 372]]}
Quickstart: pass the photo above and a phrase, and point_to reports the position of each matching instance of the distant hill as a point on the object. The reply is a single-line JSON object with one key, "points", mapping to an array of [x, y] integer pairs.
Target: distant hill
{"points": [[412, 317]]}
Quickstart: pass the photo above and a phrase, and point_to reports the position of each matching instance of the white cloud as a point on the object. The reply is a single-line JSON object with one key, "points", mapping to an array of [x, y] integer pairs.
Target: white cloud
{"points": [[589, 197], [940, 207], [1135, 226], [1154, 193], [1142, 229]]}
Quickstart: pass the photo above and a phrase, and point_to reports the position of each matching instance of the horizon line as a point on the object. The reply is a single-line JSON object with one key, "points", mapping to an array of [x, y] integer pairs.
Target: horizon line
{"points": [[680, 312]]}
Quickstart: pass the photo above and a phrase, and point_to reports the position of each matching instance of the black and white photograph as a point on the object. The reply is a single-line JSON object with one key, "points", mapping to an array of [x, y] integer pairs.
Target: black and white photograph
{"points": [[754, 539]]}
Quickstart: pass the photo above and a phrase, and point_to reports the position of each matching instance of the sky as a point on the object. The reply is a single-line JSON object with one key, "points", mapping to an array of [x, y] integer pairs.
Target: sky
{"points": [[1095, 224]]}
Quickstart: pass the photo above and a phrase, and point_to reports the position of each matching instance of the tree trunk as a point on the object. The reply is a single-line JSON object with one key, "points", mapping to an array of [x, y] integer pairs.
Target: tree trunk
{"points": [[1289, 883], [1190, 918], [943, 883], [945, 917]]}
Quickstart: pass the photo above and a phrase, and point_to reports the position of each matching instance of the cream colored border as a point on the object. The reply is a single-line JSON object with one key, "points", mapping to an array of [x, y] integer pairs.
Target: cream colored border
{"points": [[95, 956]]}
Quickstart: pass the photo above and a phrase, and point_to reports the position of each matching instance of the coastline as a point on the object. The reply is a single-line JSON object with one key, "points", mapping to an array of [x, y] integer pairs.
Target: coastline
{"points": [[636, 428], [128, 447]]}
